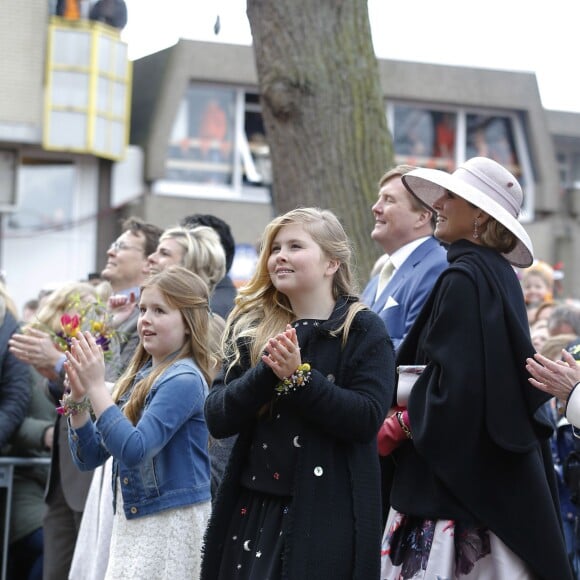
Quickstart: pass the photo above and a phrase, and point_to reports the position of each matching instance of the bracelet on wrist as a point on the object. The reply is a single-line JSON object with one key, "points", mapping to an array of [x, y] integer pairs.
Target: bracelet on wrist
{"points": [[403, 425], [298, 379], [70, 408]]}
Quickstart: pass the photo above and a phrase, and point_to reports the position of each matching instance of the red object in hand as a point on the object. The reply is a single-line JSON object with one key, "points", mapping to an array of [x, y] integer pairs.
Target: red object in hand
{"points": [[391, 435]]}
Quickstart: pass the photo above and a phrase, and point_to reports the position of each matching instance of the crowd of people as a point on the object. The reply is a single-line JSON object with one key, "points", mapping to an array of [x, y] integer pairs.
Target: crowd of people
{"points": [[199, 431]]}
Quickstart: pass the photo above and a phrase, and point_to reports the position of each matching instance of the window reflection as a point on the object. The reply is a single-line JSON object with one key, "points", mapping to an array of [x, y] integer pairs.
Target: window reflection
{"points": [[45, 195], [424, 137], [202, 139], [492, 136]]}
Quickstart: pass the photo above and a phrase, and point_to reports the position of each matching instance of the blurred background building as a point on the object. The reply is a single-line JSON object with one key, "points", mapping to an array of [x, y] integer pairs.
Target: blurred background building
{"points": [[88, 137]]}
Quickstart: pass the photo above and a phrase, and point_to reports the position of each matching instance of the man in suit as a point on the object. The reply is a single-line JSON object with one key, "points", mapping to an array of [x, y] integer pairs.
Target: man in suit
{"points": [[404, 228]]}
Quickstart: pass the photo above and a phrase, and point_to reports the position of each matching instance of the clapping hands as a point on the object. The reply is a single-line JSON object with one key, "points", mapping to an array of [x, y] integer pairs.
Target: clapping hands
{"points": [[85, 366], [282, 353]]}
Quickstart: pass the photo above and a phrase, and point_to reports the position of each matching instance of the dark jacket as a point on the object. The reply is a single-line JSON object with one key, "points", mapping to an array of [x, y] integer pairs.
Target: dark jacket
{"points": [[336, 491], [222, 299], [30, 482], [480, 450], [15, 385]]}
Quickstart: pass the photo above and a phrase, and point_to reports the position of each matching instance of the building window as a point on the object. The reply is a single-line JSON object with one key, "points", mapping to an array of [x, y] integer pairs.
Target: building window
{"points": [[424, 137], [202, 140], [259, 171], [45, 196], [218, 146], [492, 136], [427, 136]]}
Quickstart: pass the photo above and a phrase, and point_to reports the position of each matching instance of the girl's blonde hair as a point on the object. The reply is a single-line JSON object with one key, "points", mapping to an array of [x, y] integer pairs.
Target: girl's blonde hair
{"points": [[260, 311], [6, 304], [188, 293], [202, 252], [69, 295]]}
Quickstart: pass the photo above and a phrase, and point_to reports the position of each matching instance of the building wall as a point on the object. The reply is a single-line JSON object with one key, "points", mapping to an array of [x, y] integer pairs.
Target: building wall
{"points": [[23, 29], [247, 220]]}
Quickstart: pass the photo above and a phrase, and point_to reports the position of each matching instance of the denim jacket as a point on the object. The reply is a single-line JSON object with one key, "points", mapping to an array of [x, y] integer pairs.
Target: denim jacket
{"points": [[163, 461]]}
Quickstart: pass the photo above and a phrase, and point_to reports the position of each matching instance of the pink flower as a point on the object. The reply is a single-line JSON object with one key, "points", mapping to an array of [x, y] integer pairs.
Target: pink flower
{"points": [[70, 324]]}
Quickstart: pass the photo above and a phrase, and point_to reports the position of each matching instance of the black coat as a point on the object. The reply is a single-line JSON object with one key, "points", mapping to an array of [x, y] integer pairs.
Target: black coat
{"points": [[336, 506], [15, 382], [480, 450]]}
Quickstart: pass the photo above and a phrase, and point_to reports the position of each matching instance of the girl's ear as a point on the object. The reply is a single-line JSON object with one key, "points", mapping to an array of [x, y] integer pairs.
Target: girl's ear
{"points": [[333, 266]]}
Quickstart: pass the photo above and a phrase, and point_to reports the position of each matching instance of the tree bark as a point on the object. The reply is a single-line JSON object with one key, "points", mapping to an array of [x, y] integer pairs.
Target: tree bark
{"points": [[323, 110]]}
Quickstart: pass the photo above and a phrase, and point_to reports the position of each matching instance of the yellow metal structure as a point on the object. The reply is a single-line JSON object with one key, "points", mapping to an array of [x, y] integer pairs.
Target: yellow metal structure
{"points": [[88, 89]]}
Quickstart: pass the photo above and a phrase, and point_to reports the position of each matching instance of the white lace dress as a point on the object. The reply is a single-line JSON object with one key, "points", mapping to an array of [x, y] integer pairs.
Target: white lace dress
{"points": [[164, 546], [91, 553]]}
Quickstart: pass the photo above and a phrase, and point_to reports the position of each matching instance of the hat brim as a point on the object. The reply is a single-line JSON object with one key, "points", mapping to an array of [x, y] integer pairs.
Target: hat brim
{"points": [[428, 185]]}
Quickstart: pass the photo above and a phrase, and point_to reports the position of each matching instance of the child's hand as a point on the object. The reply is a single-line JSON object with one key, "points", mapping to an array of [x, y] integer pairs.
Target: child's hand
{"points": [[73, 383], [87, 363], [282, 353]]}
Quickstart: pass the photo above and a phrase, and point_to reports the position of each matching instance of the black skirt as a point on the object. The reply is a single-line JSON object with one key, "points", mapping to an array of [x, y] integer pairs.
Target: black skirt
{"points": [[254, 546]]}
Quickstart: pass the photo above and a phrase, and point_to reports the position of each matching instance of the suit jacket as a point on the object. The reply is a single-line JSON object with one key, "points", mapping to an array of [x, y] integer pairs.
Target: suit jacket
{"points": [[403, 297]]}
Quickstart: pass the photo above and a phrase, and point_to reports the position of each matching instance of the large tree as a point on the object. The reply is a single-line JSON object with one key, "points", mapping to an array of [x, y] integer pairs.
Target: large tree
{"points": [[323, 109]]}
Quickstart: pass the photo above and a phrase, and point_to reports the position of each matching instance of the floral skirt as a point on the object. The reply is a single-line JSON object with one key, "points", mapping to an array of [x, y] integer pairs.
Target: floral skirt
{"points": [[445, 549]]}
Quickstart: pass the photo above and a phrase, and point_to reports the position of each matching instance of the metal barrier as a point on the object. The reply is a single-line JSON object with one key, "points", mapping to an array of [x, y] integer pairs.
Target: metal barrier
{"points": [[7, 465]]}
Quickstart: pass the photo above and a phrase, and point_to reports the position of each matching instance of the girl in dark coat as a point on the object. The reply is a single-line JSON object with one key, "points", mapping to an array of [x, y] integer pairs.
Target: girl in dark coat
{"points": [[474, 492], [308, 377]]}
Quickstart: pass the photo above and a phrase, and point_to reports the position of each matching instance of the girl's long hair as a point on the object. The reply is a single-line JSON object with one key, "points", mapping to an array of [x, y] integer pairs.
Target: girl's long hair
{"points": [[187, 292], [260, 311]]}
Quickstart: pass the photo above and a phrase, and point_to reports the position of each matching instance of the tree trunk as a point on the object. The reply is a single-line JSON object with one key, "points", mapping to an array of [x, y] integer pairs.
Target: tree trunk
{"points": [[323, 110]]}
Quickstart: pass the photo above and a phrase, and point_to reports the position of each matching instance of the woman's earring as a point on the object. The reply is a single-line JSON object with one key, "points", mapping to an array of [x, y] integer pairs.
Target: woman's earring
{"points": [[475, 230]]}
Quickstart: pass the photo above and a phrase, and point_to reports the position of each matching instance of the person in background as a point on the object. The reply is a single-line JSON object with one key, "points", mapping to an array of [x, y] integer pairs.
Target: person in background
{"points": [[69, 9], [544, 311], [306, 382], [33, 439], [564, 319], [111, 12], [473, 463], [153, 428], [15, 389], [563, 445], [199, 250], [66, 488], [539, 334], [559, 379], [224, 294], [538, 286], [404, 229], [29, 310]]}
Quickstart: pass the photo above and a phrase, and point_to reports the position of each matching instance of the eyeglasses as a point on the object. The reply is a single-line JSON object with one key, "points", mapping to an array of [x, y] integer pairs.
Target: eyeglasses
{"points": [[118, 246]]}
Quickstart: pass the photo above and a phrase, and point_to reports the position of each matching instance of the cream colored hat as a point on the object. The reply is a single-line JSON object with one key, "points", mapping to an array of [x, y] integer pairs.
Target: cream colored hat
{"points": [[487, 185]]}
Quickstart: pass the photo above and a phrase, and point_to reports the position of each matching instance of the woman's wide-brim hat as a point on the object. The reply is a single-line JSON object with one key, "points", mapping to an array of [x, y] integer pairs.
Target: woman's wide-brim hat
{"points": [[487, 185]]}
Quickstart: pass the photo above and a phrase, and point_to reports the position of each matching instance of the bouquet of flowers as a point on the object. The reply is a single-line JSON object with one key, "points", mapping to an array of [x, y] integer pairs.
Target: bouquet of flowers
{"points": [[93, 318]]}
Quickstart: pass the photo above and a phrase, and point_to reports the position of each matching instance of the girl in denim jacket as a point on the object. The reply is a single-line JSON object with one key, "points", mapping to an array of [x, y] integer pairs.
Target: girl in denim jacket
{"points": [[153, 427]]}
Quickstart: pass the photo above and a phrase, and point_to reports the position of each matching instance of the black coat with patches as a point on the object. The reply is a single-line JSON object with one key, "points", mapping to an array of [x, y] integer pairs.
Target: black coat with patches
{"points": [[337, 513]]}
